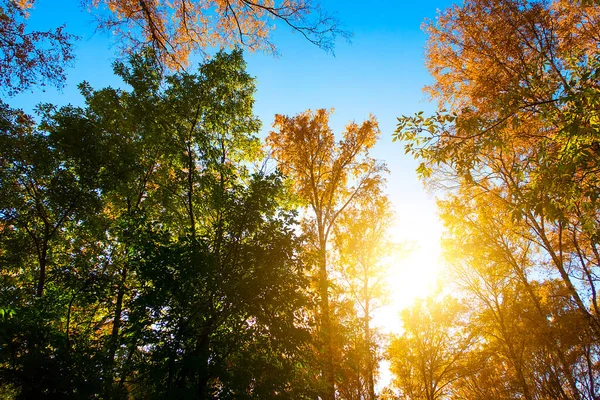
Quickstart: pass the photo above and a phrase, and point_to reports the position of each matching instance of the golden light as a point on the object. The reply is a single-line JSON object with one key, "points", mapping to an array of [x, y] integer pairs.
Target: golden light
{"points": [[414, 273]]}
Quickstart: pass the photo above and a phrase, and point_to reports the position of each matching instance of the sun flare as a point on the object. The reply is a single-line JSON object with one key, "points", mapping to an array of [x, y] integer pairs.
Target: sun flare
{"points": [[414, 272]]}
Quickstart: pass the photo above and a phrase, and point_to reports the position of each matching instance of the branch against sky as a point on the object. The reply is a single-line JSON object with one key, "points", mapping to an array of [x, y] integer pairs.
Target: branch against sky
{"points": [[173, 29], [30, 58], [178, 28]]}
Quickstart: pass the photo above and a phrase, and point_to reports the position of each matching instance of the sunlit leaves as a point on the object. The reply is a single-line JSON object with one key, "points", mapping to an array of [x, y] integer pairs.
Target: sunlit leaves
{"points": [[517, 125], [515, 140], [176, 29], [323, 170], [361, 243], [432, 352], [328, 177]]}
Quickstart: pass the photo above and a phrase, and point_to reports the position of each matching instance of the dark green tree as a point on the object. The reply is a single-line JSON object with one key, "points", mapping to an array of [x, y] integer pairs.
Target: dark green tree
{"points": [[171, 268]]}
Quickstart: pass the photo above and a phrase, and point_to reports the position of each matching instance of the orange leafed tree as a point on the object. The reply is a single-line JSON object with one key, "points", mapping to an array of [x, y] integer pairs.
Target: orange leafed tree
{"points": [[328, 176], [174, 30], [519, 94], [431, 354], [362, 241]]}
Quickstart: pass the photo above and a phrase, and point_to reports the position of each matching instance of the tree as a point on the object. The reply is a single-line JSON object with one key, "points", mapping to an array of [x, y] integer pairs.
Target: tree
{"points": [[532, 325], [173, 30], [521, 124], [515, 140], [176, 272], [30, 58], [45, 201], [429, 357], [197, 211], [43, 191], [361, 243], [327, 177]]}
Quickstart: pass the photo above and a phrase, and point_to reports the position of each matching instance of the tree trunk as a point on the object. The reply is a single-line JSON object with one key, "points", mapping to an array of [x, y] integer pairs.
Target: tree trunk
{"points": [[114, 337], [204, 373], [326, 323], [190, 189], [369, 371], [42, 263]]}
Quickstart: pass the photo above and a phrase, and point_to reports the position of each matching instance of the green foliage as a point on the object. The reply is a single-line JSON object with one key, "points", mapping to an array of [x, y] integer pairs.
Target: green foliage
{"points": [[140, 255]]}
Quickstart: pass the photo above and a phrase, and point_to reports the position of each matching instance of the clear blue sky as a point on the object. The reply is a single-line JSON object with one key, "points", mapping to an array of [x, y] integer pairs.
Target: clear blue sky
{"points": [[380, 72]]}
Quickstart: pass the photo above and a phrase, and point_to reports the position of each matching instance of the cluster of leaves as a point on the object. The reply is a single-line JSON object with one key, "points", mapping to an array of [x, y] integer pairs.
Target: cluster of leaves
{"points": [[178, 28], [516, 140], [33, 58], [142, 256], [174, 30], [139, 255]]}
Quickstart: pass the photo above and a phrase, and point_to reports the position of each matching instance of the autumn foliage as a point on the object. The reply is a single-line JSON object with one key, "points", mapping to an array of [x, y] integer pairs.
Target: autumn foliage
{"points": [[515, 143], [30, 58], [178, 28], [173, 30], [327, 177], [152, 245]]}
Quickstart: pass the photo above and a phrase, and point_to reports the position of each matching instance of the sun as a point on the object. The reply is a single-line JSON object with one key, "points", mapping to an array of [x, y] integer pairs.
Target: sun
{"points": [[413, 273]]}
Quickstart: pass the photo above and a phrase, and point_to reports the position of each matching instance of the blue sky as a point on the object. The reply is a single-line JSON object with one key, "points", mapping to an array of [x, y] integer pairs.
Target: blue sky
{"points": [[381, 72]]}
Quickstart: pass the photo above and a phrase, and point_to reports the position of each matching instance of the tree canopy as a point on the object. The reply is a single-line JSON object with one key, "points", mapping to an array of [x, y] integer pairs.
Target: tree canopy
{"points": [[514, 143], [174, 30], [154, 243]]}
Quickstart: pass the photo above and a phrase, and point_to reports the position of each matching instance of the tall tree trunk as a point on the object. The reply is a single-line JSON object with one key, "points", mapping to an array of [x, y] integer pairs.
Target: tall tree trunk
{"points": [[190, 189], [369, 371], [42, 260], [326, 322], [199, 374], [203, 350], [114, 337], [42, 250]]}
